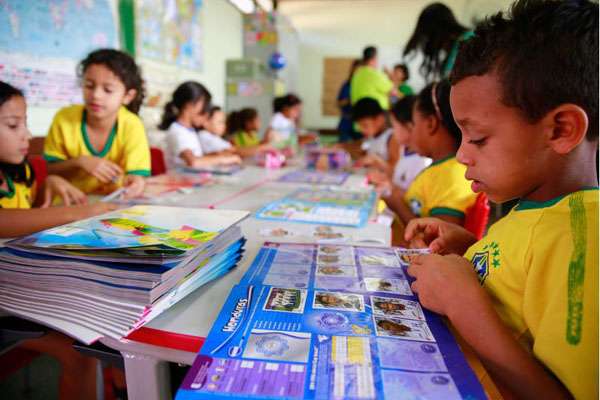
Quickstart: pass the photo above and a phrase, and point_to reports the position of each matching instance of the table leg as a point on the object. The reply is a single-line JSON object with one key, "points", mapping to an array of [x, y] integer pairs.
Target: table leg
{"points": [[147, 377]]}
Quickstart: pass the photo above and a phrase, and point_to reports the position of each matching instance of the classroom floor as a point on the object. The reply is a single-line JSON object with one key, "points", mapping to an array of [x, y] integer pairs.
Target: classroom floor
{"points": [[39, 380]]}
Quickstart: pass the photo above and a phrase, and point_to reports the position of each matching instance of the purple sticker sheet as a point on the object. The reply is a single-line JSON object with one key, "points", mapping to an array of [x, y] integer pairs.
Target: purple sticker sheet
{"points": [[328, 321]]}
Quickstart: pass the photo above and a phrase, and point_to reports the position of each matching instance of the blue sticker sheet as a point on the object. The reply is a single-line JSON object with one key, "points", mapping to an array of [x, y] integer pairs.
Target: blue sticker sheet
{"points": [[322, 206], [338, 322]]}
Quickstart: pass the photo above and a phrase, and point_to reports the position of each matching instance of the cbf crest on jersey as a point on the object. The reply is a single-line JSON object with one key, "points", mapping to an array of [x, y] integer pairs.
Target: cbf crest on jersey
{"points": [[415, 206], [489, 255]]}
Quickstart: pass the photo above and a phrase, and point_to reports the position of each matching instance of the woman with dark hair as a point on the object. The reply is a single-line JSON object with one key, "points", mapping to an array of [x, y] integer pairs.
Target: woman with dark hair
{"points": [[437, 35]]}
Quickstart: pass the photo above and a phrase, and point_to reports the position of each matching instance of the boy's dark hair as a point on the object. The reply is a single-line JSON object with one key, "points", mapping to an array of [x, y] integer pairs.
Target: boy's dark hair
{"points": [[212, 110], [434, 100], [283, 102], [545, 53], [369, 53], [404, 69], [238, 120], [122, 65], [366, 107], [402, 109], [436, 32], [187, 92], [16, 172]]}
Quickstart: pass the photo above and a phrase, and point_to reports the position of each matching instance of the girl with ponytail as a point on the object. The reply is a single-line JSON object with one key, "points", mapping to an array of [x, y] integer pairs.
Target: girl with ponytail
{"points": [[184, 114]]}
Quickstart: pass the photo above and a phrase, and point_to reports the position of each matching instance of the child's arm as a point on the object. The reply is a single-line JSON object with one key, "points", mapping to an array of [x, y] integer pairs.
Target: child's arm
{"points": [[18, 222], [104, 170], [449, 286], [208, 160]]}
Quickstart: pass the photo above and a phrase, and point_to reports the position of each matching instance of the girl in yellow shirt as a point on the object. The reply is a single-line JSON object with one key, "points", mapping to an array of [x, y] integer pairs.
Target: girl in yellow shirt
{"points": [[18, 194], [242, 130], [102, 144]]}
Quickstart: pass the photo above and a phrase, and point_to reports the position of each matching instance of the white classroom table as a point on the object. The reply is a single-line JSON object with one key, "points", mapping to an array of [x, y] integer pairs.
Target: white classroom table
{"points": [[146, 367]]}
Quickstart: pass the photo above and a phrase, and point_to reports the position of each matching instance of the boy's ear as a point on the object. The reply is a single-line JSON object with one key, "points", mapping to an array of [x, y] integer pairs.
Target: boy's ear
{"points": [[129, 96], [432, 124], [569, 124]]}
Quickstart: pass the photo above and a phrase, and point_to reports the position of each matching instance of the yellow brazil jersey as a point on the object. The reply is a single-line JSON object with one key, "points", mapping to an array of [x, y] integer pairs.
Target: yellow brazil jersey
{"points": [[441, 189], [540, 266], [19, 194], [245, 139], [127, 146]]}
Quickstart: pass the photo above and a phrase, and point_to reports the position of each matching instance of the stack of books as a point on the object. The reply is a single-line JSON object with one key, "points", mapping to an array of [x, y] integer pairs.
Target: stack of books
{"points": [[110, 274]]}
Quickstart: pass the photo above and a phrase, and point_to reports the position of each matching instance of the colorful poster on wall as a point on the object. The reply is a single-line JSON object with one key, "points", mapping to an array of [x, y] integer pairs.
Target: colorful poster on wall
{"points": [[41, 43], [170, 31]]}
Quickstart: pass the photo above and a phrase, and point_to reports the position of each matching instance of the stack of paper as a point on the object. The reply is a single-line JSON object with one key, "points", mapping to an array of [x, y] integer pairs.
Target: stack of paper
{"points": [[107, 275]]}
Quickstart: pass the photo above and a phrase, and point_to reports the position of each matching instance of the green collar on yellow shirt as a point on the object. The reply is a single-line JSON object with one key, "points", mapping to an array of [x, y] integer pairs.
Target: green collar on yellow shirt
{"points": [[86, 139]]}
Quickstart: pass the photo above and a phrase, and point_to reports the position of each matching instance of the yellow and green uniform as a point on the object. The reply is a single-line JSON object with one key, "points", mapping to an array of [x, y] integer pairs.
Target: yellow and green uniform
{"points": [[370, 82], [539, 264], [18, 194], [127, 145], [441, 189], [245, 139]]}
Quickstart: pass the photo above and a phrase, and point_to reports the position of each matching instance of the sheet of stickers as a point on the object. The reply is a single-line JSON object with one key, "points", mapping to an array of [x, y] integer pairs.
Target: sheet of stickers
{"points": [[315, 177], [322, 206], [328, 321]]}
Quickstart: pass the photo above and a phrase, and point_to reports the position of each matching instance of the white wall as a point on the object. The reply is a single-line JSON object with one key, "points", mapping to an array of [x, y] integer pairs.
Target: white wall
{"points": [[222, 30], [342, 28]]}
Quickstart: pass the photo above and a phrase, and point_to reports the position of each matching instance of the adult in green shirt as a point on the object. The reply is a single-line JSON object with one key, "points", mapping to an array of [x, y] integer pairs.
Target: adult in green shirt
{"points": [[368, 81]]}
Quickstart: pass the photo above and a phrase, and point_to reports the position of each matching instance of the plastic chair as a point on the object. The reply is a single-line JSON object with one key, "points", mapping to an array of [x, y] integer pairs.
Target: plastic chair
{"points": [[157, 161], [40, 168], [477, 216]]}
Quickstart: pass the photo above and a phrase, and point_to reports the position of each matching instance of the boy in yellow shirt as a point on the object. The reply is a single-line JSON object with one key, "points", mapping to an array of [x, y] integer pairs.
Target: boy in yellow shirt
{"points": [[525, 297], [102, 144]]}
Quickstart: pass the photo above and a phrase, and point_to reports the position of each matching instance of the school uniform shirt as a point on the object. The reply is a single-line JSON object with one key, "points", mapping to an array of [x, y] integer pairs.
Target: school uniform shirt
{"points": [[370, 82], [212, 143], [179, 139], [285, 127], [441, 189], [378, 145], [539, 264], [245, 139], [407, 168], [127, 145], [20, 194]]}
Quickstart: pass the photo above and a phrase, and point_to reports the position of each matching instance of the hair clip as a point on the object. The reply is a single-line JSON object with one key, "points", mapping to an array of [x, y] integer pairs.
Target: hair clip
{"points": [[438, 113]]}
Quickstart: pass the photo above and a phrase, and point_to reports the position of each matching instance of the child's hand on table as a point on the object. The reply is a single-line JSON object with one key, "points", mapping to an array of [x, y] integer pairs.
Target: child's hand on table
{"points": [[440, 236], [55, 185], [105, 171], [135, 185], [445, 284]]}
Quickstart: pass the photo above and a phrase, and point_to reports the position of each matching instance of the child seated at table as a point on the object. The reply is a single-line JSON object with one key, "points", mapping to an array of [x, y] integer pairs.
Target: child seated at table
{"points": [[242, 131], [102, 145], [525, 297], [213, 129], [283, 128], [18, 194], [379, 144], [186, 111], [410, 163], [441, 189]]}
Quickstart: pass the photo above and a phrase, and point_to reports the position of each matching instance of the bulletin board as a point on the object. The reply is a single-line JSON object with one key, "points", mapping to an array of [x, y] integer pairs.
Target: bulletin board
{"points": [[335, 73]]}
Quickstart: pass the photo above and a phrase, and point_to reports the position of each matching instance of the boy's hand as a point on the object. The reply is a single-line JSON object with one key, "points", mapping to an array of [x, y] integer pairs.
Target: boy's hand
{"points": [[444, 284], [135, 185], [440, 236], [105, 171], [91, 210], [371, 161], [55, 185]]}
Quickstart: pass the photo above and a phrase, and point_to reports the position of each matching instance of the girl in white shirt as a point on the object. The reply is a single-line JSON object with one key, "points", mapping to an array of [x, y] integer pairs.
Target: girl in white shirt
{"points": [[283, 128], [211, 137], [187, 110]]}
